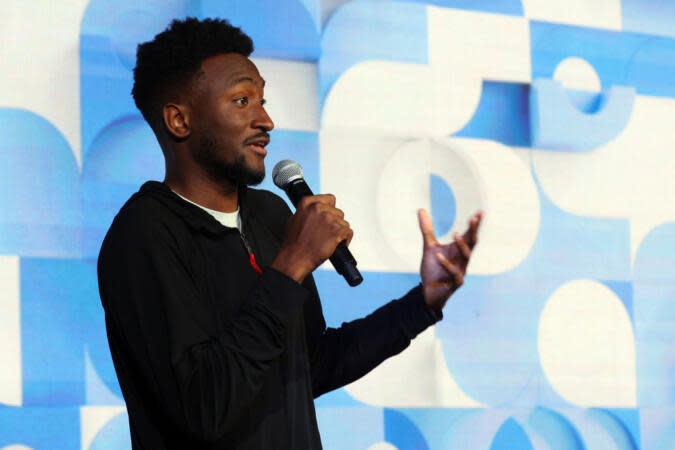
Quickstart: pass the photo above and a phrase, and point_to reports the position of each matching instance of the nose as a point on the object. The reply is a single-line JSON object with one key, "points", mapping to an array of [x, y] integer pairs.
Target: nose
{"points": [[262, 120]]}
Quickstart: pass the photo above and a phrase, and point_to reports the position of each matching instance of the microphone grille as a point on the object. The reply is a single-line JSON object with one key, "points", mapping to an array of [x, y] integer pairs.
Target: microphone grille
{"points": [[286, 171]]}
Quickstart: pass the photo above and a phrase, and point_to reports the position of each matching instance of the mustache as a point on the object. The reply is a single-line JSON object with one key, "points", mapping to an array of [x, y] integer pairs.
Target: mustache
{"points": [[262, 134]]}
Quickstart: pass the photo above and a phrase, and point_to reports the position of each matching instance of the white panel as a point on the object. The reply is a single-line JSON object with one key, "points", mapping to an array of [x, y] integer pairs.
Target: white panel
{"points": [[587, 13], [381, 182], [587, 347], [93, 419], [400, 99], [291, 90], [423, 362], [467, 47], [630, 177], [40, 62], [11, 388]]}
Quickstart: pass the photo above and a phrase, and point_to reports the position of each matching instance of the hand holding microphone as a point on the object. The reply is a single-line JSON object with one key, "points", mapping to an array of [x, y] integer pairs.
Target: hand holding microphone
{"points": [[316, 232]]}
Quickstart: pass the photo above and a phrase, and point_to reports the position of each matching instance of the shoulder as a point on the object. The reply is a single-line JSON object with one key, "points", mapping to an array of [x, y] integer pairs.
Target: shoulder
{"points": [[263, 199], [143, 223]]}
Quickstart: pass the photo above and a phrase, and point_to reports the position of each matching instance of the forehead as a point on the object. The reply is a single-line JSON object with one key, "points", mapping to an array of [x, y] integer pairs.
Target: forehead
{"points": [[229, 69]]}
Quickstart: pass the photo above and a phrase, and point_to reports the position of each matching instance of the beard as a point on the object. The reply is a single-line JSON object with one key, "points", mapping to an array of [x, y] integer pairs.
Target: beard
{"points": [[209, 157]]}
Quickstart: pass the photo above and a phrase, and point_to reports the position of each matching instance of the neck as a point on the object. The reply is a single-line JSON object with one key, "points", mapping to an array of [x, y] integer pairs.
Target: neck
{"points": [[221, 197]]}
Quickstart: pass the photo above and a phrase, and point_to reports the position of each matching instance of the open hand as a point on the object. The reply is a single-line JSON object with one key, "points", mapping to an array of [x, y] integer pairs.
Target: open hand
{"points": [[443, 266]]}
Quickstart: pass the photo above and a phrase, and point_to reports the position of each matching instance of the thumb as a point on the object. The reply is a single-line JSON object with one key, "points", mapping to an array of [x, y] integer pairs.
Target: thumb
{"points": [[426, 227]]}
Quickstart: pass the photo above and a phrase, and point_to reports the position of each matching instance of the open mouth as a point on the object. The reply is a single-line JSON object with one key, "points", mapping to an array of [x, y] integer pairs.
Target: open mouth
{"points": [[258, 148], [258, 145]]}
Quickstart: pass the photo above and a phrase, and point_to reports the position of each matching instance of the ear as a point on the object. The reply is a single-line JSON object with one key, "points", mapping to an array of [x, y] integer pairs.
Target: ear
{"points": [[177, 120]]}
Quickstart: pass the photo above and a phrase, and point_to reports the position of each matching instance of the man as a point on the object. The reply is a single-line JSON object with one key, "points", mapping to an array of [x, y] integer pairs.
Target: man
{"points": [[214, 321]]}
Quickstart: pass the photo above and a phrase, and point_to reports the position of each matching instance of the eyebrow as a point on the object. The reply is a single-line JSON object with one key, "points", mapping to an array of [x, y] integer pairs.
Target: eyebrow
{"points": [[242, 79]]}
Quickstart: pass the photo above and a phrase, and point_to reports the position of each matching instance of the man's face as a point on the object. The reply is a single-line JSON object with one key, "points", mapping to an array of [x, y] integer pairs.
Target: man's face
{"points": [[230, 120]]}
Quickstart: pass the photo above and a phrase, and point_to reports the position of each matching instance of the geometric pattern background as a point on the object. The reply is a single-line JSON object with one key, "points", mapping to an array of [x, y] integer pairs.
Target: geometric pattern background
{"points": [[556, 118]]}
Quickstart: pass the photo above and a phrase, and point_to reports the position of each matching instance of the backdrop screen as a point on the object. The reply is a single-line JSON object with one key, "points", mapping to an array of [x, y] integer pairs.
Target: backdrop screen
{"points": [[554, 117]]}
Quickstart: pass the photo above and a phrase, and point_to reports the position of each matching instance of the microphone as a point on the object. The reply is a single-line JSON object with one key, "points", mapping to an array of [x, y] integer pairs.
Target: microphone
{"points": [[287, 175]]}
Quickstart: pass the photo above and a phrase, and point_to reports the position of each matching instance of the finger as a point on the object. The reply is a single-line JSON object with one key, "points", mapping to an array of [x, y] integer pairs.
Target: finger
{"points": [[471, 234], [456, 274], [350, 236], [427, 228], [463, 246], [327, 199]]}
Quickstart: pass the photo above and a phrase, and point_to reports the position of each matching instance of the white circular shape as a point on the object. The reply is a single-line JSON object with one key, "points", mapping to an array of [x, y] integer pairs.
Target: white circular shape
{"points": [[587, 346], [382, 446], [578, 74], [16, 447]]}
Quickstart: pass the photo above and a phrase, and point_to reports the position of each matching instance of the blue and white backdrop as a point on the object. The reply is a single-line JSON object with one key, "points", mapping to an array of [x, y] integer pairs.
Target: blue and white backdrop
{"points": [[555, 117]]}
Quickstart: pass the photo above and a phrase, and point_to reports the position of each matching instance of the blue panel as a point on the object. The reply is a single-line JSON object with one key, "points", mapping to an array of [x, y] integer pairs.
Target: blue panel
{"points": [[654, 291], [401, 432], [511, 436], [61, 314], [109, 34], [282, 29], [443, 205], [363, 31], [342, 303], [648, 16], [355, 427], [556, 123], [620, 58], [511, 7], [502, 114], [39, 188], [40, 428], [123, 156]]}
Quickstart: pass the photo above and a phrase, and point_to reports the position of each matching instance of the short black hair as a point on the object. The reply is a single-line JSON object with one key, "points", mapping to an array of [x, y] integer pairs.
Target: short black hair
{"points": [[166, 65]]}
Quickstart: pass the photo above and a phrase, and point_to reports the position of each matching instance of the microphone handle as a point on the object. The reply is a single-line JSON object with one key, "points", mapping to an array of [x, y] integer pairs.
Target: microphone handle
{"points": [[342, 259]]}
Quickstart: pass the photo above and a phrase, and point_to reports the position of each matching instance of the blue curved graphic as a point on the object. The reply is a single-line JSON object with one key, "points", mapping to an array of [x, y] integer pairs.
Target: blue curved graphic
{"points": [[511, 436], [39, 188], [642, 61], [363, 31], [400, 431], [109, 34], [503, 114], [122, 157], [555, 429], [654, 287], [556, 124], [280, 29]]}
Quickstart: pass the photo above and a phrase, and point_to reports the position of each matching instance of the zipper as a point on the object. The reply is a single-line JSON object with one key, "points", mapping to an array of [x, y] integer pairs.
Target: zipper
{"points": [[251, 256]]}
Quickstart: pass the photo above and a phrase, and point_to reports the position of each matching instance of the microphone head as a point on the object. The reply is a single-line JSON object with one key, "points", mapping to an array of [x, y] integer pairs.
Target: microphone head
{"points": [[286, 171]]}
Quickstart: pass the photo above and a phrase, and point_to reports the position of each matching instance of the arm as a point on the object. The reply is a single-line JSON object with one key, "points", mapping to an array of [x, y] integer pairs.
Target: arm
{"points": [[198, 382], [345, 354]]}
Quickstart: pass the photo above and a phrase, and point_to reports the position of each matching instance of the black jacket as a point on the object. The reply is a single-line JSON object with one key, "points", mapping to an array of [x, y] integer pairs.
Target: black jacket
{"points": [[211, 354]]}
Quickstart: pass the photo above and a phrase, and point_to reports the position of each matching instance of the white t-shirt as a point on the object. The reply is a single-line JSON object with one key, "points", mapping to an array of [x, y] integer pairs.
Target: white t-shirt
{"points": [[230, 219]]}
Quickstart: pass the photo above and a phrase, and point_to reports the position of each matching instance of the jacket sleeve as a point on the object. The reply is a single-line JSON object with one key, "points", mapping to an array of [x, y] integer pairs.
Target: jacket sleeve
{"points": [[199, 383], [345, 354]]}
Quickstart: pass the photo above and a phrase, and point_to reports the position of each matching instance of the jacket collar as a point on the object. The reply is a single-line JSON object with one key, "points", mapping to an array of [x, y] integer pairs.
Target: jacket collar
{"points": [[193, 215]]}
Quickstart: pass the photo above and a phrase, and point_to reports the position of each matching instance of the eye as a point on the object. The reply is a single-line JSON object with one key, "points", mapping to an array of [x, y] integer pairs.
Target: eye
{"points": [[263, 102], [242, 101]]}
